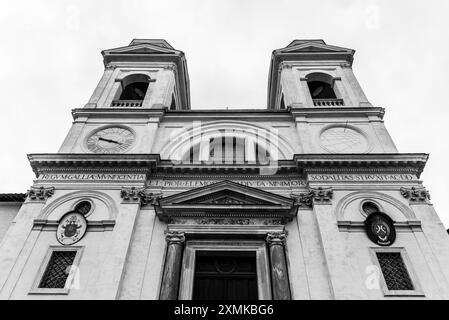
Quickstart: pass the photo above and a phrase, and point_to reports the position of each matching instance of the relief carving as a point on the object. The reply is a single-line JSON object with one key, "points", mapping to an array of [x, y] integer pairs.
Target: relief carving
{"points": [[415, 194], [140, 195], [302, 200], [321, 194], [174, 237], [306, 200], [276, 238], [131, 194], [41, 193]]}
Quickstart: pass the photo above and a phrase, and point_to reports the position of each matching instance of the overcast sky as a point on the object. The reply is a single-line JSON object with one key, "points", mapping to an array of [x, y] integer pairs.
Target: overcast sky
{"points": [[51, 63]]}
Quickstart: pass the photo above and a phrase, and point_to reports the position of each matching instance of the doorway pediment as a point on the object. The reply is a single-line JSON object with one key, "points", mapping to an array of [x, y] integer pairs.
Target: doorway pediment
{"points": [[226, 199]]}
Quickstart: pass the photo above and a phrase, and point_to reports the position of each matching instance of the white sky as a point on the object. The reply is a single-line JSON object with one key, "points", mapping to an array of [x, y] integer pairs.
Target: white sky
{"points": [[51, 63]]}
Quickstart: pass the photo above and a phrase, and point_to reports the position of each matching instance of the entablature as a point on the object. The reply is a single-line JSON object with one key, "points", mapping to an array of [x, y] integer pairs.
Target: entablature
{"points": [[288, 114], [300, 164]]}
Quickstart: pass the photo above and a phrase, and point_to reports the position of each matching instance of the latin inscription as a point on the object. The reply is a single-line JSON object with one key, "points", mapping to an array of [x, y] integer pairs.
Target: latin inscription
{"points": [[193, 183], [361, 177], [202, 183], [92, 177]]}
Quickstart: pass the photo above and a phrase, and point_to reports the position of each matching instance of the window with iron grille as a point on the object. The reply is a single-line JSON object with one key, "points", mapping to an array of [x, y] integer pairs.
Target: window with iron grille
{"points": [[58, 269], [394, 270]]}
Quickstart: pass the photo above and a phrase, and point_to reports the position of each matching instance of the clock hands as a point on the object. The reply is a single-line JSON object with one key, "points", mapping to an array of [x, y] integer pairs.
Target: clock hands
{"points": [[107, 140]]}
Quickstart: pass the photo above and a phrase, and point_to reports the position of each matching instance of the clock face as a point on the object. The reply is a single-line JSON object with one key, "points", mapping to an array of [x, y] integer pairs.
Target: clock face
{"points": [[343, 140], [110, 140]]}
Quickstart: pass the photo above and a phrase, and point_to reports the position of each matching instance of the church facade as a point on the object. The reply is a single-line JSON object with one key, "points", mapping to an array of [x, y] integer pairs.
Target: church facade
{"points": [[149, 199]]}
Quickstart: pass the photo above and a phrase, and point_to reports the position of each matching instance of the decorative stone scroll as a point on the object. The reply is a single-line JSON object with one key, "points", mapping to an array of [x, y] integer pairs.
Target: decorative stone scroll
{"points": [[302, 200], [276, 238], [175, 237], [131, 194], [40, 193], [306, 200], [150, 197], [321, 194], [140, 195], [415, 194]]}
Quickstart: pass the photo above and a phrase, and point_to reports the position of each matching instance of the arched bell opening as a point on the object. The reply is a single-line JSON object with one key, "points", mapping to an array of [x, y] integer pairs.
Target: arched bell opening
{"points": [[132, 91], [322, 91]]}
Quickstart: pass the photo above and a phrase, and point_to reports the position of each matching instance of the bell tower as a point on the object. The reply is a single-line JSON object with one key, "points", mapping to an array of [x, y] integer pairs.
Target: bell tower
{"points": [[140, 81], [148, 73], [332, 114], [310, 73]]}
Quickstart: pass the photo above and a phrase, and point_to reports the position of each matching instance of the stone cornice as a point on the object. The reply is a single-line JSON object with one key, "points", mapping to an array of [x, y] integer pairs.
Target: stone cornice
{"points": [[289, 114], [41, 163], [397, 162], [300, 164], [52, 225], [126, 113], [340, 111], [359, 226]]}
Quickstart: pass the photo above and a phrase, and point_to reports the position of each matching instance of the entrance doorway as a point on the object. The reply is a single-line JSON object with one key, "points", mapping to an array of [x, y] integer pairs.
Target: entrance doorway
{"points": [[225, 275]]}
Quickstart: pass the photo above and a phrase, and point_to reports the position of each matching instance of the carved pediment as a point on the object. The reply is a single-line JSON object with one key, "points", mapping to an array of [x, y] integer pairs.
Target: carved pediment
{"points": [[142, 48], [226, 198], [313, 46]]}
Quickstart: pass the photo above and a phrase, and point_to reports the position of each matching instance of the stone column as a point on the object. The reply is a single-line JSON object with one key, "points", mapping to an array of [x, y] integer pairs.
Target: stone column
{"points": [[279, 274], [172, 268]]}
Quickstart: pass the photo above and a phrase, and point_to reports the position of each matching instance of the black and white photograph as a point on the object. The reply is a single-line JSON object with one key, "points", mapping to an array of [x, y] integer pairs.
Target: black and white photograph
{"points": [[216, 153]]}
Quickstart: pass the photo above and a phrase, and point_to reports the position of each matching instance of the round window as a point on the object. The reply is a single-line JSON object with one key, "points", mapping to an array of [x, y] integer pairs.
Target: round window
{"points": [[369, 208], [83, 207]]}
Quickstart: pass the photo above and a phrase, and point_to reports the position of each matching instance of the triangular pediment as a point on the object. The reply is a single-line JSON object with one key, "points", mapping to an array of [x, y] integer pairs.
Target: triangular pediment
{"points": [[227, 191], [304, 46], [143, 48], [225, 198]]}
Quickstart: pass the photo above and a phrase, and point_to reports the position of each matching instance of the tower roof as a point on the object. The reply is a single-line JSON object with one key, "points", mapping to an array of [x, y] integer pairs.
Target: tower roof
{"points": [[303, 50], [155, 42], [150, 51]]}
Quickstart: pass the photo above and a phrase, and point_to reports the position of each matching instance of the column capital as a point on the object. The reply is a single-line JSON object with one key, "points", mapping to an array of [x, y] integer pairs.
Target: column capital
{"points": [[303, 200], [131, 194], [40, 193], [140, 195], [276, 238], [321, 194], [175, 237], [415, 194]]}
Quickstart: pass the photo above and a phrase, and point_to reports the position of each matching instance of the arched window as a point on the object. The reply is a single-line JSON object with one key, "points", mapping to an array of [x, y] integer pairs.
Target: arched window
{"points": [[321, 87], [227, 149], [132, 91]]}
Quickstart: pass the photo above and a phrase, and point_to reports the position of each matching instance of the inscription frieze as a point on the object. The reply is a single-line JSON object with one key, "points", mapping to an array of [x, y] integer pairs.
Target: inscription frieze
{"points": [[227, 221], [93, 176], [161, 183], [361, 177]]}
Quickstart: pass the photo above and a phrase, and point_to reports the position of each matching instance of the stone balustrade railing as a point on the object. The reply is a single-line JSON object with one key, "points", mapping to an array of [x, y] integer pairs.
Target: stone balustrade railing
{"points": [[328, 102], [127, 103]]}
